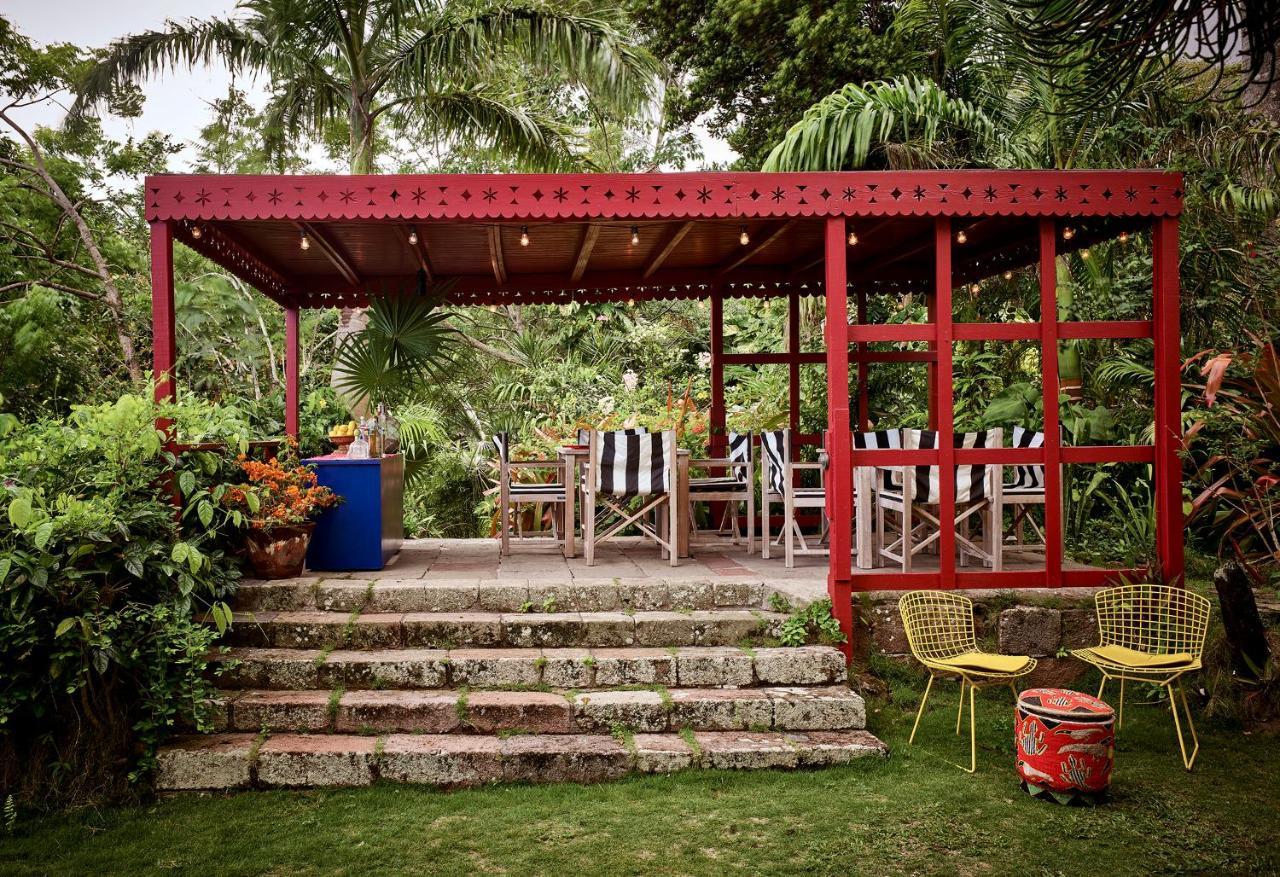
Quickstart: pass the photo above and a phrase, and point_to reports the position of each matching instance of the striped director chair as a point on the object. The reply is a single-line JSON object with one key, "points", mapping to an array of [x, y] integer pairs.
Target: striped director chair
{"points": [[512, 493], [914, 497], [781, 484], [737, 486], [631, 475]]}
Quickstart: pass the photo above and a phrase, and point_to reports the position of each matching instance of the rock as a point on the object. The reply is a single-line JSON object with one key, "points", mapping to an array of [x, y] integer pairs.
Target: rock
{"points": [[1030, 630]]}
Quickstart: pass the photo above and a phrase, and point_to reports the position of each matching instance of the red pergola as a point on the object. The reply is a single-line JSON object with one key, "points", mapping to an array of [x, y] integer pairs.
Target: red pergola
{"points": [[379, 235]]}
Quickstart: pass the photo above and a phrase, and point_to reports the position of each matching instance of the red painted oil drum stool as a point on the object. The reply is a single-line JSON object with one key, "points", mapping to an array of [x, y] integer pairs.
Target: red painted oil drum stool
{"points": [[1066, 745]]}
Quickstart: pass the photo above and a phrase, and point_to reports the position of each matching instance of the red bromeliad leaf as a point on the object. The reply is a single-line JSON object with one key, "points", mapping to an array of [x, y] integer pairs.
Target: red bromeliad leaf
{"points": [[1214, 371]]}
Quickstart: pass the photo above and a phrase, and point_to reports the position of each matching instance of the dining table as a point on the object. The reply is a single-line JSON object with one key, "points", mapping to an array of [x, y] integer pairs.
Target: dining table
{"points": [[577, 462]]}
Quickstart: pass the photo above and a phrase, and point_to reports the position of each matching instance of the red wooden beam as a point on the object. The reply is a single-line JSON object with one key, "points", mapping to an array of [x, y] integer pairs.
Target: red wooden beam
{"points": [[840, 481], [1109, 454], [589, 235], [164, 344], [1111, 329], [899, 332], [945, 402], [718, 438], [1049, 382], [864, 373], [997, 331], [794, 358], [1168, 401], [331, 251], [291, 360]]}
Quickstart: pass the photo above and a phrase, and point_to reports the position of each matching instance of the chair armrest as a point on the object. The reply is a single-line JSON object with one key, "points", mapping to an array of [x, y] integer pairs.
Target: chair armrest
{"points": [[536, 464]]}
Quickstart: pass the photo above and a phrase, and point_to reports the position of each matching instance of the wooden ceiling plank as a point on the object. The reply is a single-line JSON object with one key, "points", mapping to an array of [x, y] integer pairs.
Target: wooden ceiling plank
{"points": [[667, 248], [331, 251], [419, 251], [751, 252], [589, 236], [498, 264]]}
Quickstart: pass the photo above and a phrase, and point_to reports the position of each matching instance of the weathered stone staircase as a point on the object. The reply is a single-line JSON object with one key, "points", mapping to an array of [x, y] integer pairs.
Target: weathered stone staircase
{"points": [[341, 683]]}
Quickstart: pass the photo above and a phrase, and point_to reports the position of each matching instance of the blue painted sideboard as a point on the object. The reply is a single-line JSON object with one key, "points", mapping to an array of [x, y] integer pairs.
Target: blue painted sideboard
{"points": [[367, 528]]}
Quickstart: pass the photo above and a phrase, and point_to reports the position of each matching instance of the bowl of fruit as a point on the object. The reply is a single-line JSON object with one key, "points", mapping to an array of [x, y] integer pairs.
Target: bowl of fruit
{"points": [[343, 434]]}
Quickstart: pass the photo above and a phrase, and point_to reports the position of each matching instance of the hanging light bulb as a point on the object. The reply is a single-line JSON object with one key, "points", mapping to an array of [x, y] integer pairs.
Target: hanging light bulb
{"points": [[975, 289], [1124, 237], [635, 235], [961, 237], [1084, 254], [1008, 275], [413, 235], [743, 237], [305, 243], [197, 232], [853, 238], [524, 235], [1068, 233]]}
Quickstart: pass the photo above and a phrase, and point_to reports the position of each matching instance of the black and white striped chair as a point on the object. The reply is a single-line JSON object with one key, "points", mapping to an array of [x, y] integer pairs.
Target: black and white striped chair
{"points": [[512, 493], [736, 486], [912, 493], [1022, 494], [631, 475], [780, 483]]}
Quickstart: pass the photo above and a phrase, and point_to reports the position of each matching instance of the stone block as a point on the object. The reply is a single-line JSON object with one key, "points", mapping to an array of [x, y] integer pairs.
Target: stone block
{"points": [[281, 710], [745, 750], [1079, 628], [661, 753], [383, 669], [818, 709], [634, 666], [564, 758], [544, 629], [599, 712], [449, 761], [724, 709], [494, 668], [218, 761], [714, 667], [451, 630], [321, 760], [429, 712], [805, 665], [568, 668], [1030, 630], [536, 712]]}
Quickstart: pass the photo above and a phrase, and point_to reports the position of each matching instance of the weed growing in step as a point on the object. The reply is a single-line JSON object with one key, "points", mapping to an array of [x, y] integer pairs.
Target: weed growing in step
{"points": [[813, 621], [549, 604], [686, 734], [331, 708]]}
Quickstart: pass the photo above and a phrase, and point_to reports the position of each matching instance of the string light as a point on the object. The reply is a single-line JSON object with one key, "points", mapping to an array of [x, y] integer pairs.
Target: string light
{"points": [[197, 232], [413, 235], [1084, 254], [1008, 275], [635, 235], [961, 237], [524, 236], [853, 238], [1124, 237], [305, 243], [743, 237], [1068, 233], [975, 289]]}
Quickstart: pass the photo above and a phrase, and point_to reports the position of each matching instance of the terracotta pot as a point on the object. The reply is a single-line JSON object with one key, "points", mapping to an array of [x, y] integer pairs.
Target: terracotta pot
{"points": [[279, 553]]}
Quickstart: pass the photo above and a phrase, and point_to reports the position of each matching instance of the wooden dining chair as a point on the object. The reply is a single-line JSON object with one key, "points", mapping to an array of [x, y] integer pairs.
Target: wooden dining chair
{"points": [[733, 488], [513, 493]]}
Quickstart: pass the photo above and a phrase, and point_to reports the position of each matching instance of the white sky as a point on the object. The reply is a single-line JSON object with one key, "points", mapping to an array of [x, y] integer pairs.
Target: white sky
{"points": [[177, 102]]}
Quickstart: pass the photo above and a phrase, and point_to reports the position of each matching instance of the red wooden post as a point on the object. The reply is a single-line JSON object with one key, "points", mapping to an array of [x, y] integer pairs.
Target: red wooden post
{"points": [[718, 440], [291, 357], [793, 360], [164, 343], [864, 371], [839, 478], [943, 402], [1168, 401], [1049, 381]]}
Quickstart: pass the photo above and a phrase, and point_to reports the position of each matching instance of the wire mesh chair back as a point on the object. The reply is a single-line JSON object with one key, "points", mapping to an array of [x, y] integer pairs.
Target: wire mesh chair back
{"points": [[938, 625], [1155, 619]]}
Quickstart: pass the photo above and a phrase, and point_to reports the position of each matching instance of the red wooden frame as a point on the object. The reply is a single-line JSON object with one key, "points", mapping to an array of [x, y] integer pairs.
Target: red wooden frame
{"points": [[199, 210]]}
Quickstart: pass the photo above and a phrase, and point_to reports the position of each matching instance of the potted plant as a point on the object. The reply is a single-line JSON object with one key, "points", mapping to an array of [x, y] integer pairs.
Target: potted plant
{"points": [[279, 501]]}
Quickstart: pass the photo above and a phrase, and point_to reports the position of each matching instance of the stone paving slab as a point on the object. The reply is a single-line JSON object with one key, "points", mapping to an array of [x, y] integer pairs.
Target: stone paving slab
{"points": [[687, 667], [317, 629], [233, 761], [604, 711]]}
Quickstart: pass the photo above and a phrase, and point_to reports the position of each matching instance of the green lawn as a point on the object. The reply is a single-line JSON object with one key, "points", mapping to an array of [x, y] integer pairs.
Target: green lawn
{"points": [[913, 813]]}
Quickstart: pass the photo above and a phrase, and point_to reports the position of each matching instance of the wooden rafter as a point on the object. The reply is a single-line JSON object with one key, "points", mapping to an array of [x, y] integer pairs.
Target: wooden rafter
{"points": [[750, 252], [331, 251], [420, 253], [495, 254], [667, 248], [589, 236]]}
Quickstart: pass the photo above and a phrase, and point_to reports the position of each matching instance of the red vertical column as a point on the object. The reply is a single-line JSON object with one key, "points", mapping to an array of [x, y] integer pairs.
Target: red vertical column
{"points": [[291, 357], [943, 402], [839, 479], [1049, 382], [719, 441], [164, 343], [793, 360], [1168, 401], [864, 370], [931, 314]]}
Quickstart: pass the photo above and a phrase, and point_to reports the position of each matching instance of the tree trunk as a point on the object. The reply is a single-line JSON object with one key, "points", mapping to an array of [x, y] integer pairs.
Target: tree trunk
{"points": [[1246, 636]]}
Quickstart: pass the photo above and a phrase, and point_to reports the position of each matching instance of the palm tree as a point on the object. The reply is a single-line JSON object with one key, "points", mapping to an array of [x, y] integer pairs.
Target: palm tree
{"points": [[446, 65]]}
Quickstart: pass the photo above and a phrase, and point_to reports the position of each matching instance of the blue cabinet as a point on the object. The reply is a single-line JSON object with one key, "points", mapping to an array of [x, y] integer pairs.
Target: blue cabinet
{"points": [[367, 528]]}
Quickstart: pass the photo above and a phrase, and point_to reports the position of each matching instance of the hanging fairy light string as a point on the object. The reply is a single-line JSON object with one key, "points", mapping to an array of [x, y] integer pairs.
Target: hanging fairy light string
{"points": [[413, 235], [1068, 233], [305, 242], [962, 237], [524, 235], [853, 238], [635, 235], [197, 232], [743, 237]]}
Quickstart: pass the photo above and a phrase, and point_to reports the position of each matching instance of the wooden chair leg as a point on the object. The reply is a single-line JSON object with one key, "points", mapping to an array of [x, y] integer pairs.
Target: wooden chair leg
{"points": [[673, 516], [764, 528], [789, 529]]}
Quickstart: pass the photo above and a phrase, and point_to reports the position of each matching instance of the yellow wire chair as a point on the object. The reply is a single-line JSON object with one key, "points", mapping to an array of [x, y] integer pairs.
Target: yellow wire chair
{"points": [[940, 631], [1150, 633]]}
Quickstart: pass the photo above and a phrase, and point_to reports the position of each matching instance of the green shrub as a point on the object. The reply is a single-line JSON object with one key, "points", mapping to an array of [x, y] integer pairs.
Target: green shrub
{"points": [[98, 586]]}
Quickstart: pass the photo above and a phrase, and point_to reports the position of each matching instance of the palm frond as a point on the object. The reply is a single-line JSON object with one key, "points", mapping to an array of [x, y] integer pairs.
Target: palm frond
{"points": [[406, 340]]}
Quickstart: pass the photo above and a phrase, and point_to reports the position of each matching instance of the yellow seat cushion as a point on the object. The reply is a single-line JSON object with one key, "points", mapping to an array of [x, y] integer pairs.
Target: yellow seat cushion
{"points": [[1133, 658], [984, 662]]}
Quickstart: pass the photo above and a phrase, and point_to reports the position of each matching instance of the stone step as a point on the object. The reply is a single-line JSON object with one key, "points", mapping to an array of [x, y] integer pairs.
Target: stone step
{"points": [[494, 595], [654, 710], [687, 667], [234, 761], [392, 630]]}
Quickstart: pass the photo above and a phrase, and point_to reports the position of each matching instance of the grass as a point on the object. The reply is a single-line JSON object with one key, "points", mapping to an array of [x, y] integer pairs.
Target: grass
{"points": [[912, 813]]}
